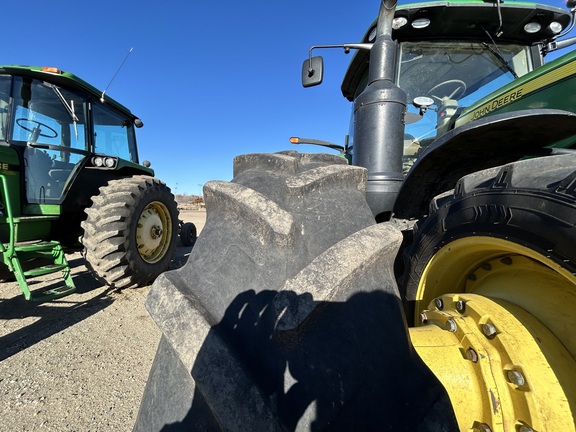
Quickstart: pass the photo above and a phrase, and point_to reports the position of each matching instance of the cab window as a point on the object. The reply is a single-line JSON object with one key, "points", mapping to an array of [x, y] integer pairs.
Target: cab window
{"points": [[50, 123], [113, 134]]}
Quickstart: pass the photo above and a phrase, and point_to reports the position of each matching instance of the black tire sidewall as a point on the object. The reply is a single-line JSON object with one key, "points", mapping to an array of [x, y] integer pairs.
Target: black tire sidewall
{"points": [[537, 219], [144, 271], [109, 238], [188, 234]]}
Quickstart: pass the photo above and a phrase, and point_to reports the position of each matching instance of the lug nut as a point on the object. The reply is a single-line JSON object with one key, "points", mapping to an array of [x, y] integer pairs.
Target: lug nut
{"points": [[460, 306], [472, 355], [489, 330], [439, 303], [506, 260], [525, 428], [423, 317], [483, 427], [516, 377], [451, 326]]}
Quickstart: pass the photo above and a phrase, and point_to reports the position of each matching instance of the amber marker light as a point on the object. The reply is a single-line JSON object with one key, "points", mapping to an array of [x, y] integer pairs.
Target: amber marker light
{"points": [[50, 69]]}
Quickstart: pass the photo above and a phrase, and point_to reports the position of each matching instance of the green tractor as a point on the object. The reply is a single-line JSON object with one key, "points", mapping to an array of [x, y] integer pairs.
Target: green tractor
{"points": [[70, 180], [428, 286]]}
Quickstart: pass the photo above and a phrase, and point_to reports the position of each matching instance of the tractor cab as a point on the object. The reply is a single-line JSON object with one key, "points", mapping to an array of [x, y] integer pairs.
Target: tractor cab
{"points": [[58, 129], [61, 142], [451, 55]]}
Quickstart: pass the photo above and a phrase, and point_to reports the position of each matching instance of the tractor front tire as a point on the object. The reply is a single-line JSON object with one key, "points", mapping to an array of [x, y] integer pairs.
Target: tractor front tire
{"points": [[494, 263], [131, 231], [525, 209]]}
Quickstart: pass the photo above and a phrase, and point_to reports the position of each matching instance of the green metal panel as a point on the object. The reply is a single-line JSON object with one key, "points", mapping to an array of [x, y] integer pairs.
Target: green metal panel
{"points": [[550, 86]]}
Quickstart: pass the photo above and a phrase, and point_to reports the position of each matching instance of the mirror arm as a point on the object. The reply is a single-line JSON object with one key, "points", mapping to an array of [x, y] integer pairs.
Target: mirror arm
{"points": [[347, 47]]}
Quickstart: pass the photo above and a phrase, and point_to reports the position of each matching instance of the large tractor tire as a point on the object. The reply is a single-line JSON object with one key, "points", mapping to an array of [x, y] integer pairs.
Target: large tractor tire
{"points": [[287, 315], [131, 231], [494, 263]]}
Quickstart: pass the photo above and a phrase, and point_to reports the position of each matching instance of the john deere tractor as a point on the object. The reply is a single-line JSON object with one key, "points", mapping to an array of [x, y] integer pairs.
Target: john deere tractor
{"points": [[428, 286], [70, 180]]}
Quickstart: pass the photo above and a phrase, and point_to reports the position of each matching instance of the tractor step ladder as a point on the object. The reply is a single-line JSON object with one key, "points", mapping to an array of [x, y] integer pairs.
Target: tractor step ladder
{"points": [[15, 255]]}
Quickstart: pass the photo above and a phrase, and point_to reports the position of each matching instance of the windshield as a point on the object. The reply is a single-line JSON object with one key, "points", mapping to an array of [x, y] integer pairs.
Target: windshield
{"points": [[50, 123], [454, 75]]}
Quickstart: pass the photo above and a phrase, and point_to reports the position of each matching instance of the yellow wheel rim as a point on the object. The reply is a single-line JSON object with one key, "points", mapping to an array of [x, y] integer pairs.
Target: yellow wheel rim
{"points": [[154, 232], [499, 332]]}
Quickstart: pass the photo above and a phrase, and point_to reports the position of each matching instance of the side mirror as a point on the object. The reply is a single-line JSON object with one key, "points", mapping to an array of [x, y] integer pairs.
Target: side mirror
{"points": [[312, 71]]}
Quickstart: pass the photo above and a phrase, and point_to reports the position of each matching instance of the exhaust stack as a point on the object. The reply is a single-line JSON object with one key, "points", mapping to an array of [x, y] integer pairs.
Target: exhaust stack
{"points": [[379, 120]]}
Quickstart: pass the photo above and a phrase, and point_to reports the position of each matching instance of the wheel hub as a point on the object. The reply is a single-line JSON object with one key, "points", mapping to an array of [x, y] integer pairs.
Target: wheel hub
{"points": [[492, 358], [156, 232], [498, 331], [153, 224]]}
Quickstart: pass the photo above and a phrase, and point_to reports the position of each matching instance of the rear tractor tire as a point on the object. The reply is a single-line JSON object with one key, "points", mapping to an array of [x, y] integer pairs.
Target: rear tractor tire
{"points": [[287, 316], [131, 231], [494, 263]]}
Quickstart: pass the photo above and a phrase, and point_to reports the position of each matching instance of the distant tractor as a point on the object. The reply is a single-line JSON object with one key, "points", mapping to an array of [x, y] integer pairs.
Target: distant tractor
{"points": [[430, 286], [70, 180]]}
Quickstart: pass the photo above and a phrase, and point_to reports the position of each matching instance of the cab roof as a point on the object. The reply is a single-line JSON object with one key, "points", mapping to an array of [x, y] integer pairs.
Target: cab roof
{"points": [[64, 79], [462, 20]]}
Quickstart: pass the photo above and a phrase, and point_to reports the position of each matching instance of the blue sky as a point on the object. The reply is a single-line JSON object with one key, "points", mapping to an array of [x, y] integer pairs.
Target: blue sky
{"points": [[210, 80]]}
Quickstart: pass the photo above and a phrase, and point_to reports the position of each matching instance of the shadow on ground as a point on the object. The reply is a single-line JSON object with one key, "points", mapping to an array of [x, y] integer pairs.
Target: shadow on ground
{"points": [[49, 318]]}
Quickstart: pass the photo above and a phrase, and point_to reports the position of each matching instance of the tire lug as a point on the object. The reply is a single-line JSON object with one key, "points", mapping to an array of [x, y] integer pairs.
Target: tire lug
{"points": [[439, 303]]}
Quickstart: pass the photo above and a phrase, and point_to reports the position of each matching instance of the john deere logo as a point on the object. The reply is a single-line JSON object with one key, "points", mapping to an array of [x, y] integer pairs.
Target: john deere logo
{"points": [[498, 103]]}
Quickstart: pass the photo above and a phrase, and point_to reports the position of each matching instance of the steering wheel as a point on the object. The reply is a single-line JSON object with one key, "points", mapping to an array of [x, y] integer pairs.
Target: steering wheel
{"points": [[38, 124], [459, 89]]}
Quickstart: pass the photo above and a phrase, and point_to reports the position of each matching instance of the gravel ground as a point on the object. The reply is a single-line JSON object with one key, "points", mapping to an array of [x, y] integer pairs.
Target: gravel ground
{"points": [[79, 363]]}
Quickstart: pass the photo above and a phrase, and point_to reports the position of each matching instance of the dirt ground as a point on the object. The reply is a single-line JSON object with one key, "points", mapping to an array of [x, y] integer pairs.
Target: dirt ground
{"points": [[79, 363]]}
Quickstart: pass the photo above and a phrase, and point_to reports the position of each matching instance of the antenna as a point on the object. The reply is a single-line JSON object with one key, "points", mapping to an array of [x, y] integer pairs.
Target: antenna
{"points": [[118, 70]]}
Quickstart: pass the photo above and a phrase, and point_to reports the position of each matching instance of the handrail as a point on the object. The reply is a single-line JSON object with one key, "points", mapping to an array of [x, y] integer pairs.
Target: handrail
{"points": [[8, 209]]}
